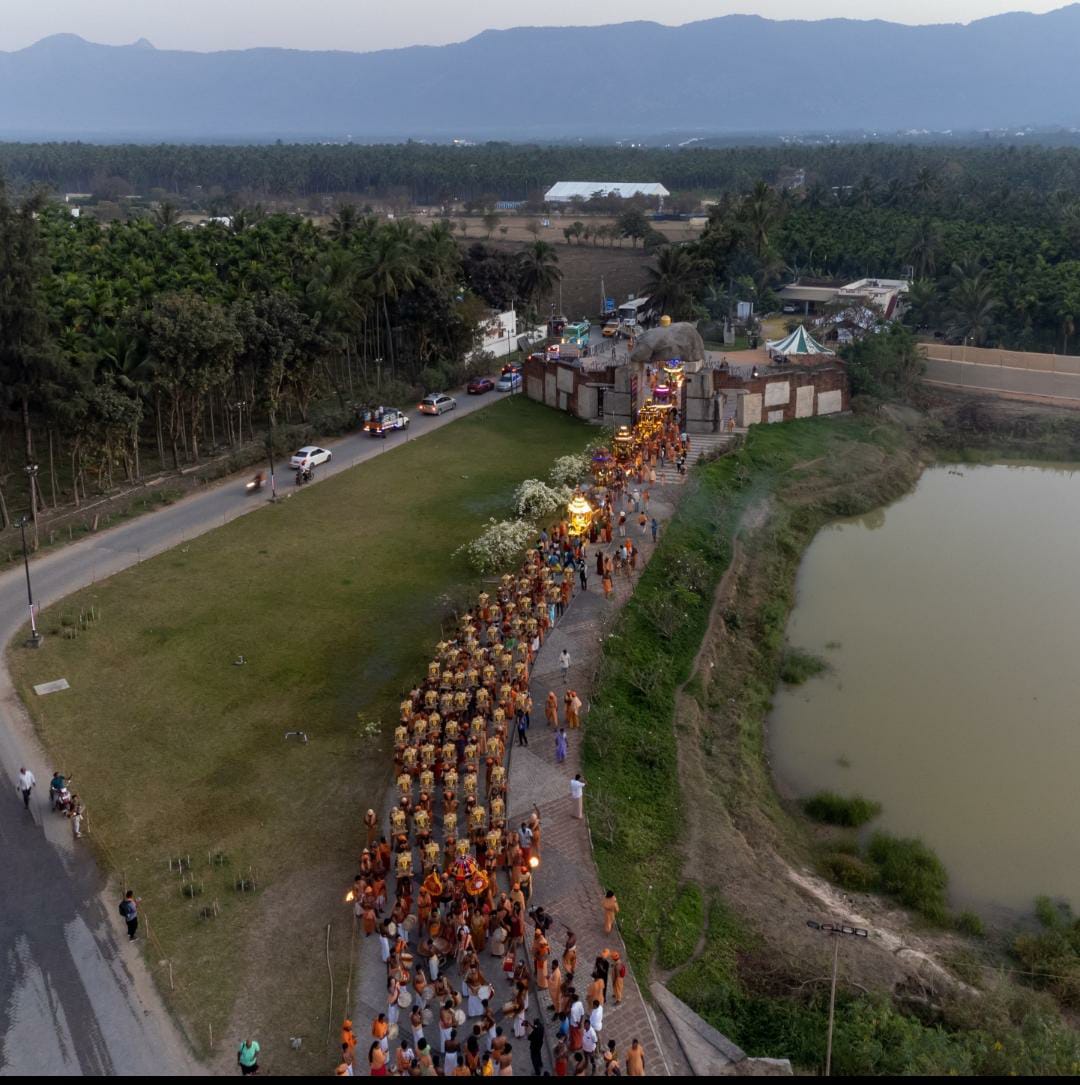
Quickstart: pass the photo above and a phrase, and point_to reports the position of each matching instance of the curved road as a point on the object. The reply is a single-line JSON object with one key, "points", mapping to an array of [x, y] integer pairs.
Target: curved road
{"points": [[74, 997]]}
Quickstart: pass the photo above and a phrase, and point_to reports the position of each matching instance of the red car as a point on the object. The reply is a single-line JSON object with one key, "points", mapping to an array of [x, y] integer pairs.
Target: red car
{"points": [[479, 385]]}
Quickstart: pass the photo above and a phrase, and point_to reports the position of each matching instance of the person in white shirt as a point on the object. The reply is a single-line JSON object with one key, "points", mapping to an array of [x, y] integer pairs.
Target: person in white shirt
{"points": [[596, 1018], [564, 663], [26, 785], [577, 793], [577, 1012], [588, 1045]]}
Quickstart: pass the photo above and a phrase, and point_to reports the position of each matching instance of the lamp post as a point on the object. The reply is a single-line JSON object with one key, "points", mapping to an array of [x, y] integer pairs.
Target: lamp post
{"points": [[35, 636], [270, 457], [836, 930], [239, 408], [31, 470]]}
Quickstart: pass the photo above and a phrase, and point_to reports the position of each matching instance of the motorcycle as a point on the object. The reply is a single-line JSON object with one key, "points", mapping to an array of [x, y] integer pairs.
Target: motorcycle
{"points": [[304, 474], [255, 484]]}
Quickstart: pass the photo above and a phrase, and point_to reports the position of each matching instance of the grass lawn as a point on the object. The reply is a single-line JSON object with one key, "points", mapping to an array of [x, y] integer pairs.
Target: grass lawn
{"points": [[335, 598]]}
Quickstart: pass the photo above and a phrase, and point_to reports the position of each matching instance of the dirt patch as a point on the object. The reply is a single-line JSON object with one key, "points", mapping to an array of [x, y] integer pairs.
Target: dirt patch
{"points": [[584, 267]]}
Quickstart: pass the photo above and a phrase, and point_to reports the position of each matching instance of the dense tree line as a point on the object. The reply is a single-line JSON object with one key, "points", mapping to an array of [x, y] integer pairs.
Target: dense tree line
{"points": [[145, 336], [433, 174]]}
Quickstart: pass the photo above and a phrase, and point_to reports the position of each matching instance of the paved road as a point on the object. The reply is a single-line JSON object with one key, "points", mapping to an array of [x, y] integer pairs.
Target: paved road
{"points": [[73, 997], [996, 378]]}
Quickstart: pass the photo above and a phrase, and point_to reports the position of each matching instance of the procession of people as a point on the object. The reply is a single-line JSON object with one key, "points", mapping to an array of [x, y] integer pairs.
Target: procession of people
{"points": [[445, 884]]}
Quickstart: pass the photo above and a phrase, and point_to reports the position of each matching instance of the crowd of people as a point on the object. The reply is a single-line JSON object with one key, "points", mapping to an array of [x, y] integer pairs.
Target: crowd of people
{"points": [[448, 841]]}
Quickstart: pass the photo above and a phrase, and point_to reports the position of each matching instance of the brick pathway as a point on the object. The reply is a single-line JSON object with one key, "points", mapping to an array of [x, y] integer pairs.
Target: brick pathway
{"points": [[566, 883]]}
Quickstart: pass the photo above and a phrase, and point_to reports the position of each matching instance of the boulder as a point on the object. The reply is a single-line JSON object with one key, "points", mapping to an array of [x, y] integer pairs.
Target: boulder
{"points": [[675, 341]]}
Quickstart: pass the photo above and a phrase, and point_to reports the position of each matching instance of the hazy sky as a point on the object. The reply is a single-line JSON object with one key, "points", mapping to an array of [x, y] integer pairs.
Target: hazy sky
{"points": [[376, 24]]}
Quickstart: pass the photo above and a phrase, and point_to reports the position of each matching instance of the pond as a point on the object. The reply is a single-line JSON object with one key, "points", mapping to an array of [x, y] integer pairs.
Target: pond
{"points": [[951, 623]]}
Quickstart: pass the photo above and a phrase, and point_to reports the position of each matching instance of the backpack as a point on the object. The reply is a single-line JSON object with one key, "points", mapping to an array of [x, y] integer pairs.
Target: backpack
{"points": [[126, 909]]}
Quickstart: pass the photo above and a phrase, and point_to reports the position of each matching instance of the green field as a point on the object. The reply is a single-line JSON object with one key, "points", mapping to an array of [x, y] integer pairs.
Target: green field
{"points": [[334, 597]]}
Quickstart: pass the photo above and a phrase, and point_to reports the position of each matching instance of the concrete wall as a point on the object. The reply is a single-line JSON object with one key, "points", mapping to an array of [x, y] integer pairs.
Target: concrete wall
{"points": [[793, 392]]}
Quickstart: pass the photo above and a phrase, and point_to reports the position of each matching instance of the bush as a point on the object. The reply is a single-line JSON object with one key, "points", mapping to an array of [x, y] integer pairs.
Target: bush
{"points": [[536, 500], [970, 923], [799, 666], [833, 809], [912, 873], [569, 470], [434, 378], [500, 545], [849, 871]]}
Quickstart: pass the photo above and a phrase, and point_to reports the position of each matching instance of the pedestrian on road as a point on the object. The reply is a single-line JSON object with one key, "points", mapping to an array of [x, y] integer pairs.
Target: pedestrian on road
{"points": [[618, 975], [577, 793], [129, 909], [247, 1057], [560, 746], [611, 910], [622, 525], [536, 1046], [26, 785], [611, 1061], [523, 738], [551, 709], [583, 576], [654, 527], [564, 664], [589, 1040], [635, 1060], [75, 812], [643, 522], [371, 823]]}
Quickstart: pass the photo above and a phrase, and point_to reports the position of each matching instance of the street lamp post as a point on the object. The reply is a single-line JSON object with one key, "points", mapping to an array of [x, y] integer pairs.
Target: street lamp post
{"points": [[270, 457], [835, 930], [31, 470], [239, 408], [35, 636]]}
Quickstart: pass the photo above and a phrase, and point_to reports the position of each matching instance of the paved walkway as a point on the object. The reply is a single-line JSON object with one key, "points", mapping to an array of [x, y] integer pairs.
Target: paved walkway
{"points": [[566, 883]]}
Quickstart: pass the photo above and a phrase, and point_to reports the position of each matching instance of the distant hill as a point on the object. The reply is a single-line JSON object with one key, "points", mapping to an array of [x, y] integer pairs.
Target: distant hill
{"points": [[739, 73]]}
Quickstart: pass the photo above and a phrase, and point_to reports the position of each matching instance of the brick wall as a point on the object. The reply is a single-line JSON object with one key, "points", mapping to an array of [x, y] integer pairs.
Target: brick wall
{"points": [[789, 392]]}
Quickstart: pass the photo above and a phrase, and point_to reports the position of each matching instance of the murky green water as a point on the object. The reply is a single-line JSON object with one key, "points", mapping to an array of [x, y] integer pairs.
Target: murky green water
{"points": [[954, 619]]}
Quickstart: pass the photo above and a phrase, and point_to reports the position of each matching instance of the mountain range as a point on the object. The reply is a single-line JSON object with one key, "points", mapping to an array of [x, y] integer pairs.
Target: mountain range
{"points": [[736, 74]]}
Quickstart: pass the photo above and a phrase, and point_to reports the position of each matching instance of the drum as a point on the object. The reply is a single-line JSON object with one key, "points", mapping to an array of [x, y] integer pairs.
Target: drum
{"points": [[428, 1017], [483, 993], [442, 946], [409, 922], [459, 1018], [407, 959], [405, 999]]}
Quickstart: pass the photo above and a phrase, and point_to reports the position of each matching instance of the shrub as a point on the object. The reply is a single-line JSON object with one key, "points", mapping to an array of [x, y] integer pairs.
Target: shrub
{"points": [[849, 871], [569, 470], [799, 666], [833, 809], [970, 923], [912, 873], [536, 500], [500, 544]]}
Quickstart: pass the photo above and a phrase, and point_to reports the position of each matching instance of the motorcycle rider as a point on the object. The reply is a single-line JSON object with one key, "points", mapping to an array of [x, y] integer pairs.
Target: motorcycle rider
{"points": [[56, 787]]}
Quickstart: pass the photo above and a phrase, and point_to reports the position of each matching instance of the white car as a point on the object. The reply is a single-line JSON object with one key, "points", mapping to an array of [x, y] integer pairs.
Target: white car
{"points": [[437, 403], [310, 456]]}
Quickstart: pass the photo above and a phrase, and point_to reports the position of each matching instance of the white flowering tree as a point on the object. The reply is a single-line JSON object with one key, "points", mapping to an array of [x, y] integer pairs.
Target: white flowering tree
{"points": [[570, 470], [499, 546], [536, 500]]}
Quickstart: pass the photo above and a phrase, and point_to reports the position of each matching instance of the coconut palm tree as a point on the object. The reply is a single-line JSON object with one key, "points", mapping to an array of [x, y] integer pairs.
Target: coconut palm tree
{"points": [[675, 281], [539, 270], [972, 305], [922, 247]]}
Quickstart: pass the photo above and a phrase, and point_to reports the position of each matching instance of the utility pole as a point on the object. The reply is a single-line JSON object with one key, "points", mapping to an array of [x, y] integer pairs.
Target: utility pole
{"points": [[835, 930]]}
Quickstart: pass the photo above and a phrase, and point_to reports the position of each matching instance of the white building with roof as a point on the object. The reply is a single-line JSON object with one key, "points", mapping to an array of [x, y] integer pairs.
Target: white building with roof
{"points": [[565, 191]]}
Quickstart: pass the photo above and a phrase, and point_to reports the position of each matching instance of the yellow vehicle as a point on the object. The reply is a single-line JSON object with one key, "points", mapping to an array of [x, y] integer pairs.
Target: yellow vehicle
{"points": [[611, 329]]}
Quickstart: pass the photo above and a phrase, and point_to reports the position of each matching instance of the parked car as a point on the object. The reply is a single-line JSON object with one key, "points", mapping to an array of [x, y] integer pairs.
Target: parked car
{"points": [[509, 382], [479, 385], [789, 308], [437, 403], [382, 420], [310, 456]]}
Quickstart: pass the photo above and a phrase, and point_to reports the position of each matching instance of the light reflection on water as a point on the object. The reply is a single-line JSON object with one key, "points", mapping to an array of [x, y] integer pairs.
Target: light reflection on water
{"points": [[954, 620]]}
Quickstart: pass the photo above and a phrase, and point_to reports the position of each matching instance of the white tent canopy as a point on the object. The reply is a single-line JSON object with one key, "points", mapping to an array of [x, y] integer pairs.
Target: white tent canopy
{"points": [[800, 341], [564, 191]]}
